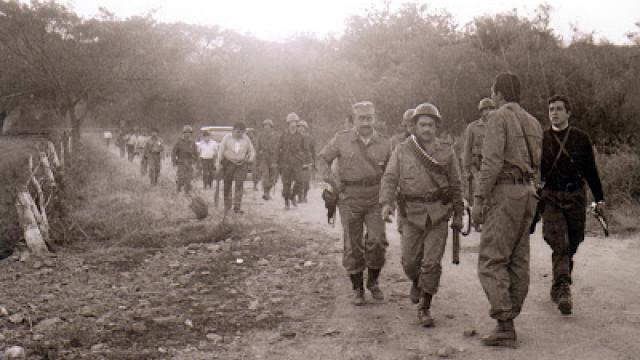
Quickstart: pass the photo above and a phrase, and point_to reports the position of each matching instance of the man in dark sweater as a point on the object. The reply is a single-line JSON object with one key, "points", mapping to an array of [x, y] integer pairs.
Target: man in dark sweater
{"points": [[567, 163]]}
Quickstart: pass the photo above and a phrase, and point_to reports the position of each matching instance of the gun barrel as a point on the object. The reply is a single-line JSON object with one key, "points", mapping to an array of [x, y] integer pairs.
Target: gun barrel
{"points": [[455, 247]]}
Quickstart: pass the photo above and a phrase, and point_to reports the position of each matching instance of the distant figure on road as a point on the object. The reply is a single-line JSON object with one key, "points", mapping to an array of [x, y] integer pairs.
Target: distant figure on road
{"points": [[307, 168], [184, 155], [505, 201], [568, 162], [235, 154], [121, 142], [208, 150], [108, 135], [267, 146], [140, 145], [292, 155], [153, 153], [424, 174], [131, 144], [362, 155]]}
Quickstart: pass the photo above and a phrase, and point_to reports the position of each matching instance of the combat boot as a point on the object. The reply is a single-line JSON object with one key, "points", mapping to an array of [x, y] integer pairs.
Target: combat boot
{"points": [[414, 293], [564, 299], [372, 284], [357, 281], [424, 311], [503, 335]]}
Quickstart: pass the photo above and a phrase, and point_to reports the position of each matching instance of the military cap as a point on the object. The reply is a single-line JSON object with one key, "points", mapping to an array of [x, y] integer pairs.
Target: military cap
{"points": [[187, 128], [486, 103], [293, 117], [363, 108], [239, 125], [303, 123], [267, 122]]}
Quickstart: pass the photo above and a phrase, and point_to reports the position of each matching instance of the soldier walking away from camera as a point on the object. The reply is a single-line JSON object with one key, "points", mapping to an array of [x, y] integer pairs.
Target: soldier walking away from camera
{"points": [[184, 155], [307, 169], [235, 154], [153, 153], [362, 155], [292, 155], [208, 150], [108, 135], [131, 144], [267, 157], [424, 173], [567, 163], [505, 202], [472, 152]]}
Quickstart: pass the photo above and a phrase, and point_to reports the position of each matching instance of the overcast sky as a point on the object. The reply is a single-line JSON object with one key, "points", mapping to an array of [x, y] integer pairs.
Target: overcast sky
{"points": [[278, 19]]}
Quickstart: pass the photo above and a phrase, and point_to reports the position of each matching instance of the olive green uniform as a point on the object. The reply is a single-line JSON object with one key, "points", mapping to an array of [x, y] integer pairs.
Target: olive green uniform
{"points": [[358, 204], [430, 197], [153, 152], [505, 182], [472, 155], [184, 155]]}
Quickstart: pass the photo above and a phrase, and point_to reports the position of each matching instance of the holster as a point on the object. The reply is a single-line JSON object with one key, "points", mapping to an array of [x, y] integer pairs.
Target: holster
{"points": [[402, 205]]}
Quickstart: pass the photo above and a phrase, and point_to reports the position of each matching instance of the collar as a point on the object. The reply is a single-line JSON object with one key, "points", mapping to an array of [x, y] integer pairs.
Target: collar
{"points": [[553, 128], [355, 136]]}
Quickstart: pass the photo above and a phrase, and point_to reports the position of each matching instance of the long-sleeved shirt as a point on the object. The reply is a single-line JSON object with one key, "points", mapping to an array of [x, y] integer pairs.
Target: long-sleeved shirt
{"points": [[208, 149], [505, 152], [293, 151], [565, 173], [238, 151], [472, 153]]}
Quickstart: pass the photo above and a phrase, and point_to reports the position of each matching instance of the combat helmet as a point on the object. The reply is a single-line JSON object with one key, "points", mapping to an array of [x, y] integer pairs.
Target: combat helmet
{"points": [[486, 103], [426, 109], [292, 117]]}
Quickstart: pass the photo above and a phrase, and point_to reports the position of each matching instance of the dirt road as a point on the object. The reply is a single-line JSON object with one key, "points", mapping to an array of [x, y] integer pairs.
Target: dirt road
{"points": [[161, 285]]}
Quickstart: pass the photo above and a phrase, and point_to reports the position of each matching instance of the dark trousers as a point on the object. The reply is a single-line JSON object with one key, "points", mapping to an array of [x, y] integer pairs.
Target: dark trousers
{"points": [[208, 171], [291, 181], [154, 160], [233, 173], [563, 219], [131, 152]]}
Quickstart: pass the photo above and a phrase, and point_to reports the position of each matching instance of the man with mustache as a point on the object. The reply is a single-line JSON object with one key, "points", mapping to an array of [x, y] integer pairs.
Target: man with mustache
{"points": [[424, 172], [362, 155]]}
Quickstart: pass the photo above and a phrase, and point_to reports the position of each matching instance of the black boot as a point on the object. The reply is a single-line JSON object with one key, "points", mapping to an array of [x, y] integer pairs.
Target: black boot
{"points": [[503, 335], [414, 293], [564, 299], [357, 281], [424, 311], [372, 284]]}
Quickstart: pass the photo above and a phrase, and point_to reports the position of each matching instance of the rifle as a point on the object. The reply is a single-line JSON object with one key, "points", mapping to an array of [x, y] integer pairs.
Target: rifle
{"points": [[455, 247], [600, 217], [330, 203]]}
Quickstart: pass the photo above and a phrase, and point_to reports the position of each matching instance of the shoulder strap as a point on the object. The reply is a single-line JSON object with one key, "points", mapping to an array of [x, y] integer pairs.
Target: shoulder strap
{"points": [[430, 164], [367, 158], [526, 140], [561, 150]]}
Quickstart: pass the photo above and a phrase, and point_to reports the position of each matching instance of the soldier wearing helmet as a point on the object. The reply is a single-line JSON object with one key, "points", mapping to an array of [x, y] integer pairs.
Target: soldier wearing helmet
{"points": [[307, 169], [267, 157], [423, 175], [153, 153], [292, 156], [472, 151], [362, 155], [184, 155], [404, 129]]}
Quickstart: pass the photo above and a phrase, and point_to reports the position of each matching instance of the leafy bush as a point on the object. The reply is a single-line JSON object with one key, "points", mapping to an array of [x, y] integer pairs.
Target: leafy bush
{"points": [[620, 175]]}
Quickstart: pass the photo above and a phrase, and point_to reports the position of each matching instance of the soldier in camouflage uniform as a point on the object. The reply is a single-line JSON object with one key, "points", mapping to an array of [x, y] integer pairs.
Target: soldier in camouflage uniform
{"points": [[405, 131], [362, 155], [292, 156], [267, 157], [424, 173], [472, 152], [184, 156], [505, 202], [153, 152]]}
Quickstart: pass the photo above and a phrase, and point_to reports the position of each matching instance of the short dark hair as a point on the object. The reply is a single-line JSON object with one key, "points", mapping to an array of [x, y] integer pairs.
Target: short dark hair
{"points": [[559, 97], [507, 84], [240, 125], [205, 133]]}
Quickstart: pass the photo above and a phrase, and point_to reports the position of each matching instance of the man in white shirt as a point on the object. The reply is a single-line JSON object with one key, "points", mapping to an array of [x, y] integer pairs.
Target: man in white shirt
{"points": [[234, 154], [208, 150]]}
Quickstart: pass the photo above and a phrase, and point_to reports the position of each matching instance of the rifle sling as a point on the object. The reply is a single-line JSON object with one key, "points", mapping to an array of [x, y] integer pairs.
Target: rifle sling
{"points": [[564, 151], [369, 159], [428, 164]]}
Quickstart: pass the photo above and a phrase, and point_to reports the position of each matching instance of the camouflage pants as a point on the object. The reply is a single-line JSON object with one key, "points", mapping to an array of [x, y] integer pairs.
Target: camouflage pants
{"points": [[233, 174], [269, 174], [154, 167], [184, 175], [362, 252], [291, 181], [422, 251], [563, 226], [503, 261]]}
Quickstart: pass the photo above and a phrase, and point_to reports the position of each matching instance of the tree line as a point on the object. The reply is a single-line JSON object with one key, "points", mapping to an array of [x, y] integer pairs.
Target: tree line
{"points": [[141, 72]]}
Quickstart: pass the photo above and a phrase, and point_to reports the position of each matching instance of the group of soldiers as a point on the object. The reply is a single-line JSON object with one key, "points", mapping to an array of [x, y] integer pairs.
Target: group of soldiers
{"points": [[511, 170], [271, 154]]}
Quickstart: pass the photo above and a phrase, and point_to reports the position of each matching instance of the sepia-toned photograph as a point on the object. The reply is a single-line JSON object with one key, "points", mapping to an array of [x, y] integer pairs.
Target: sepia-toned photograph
{"points": [[319, 180]]}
